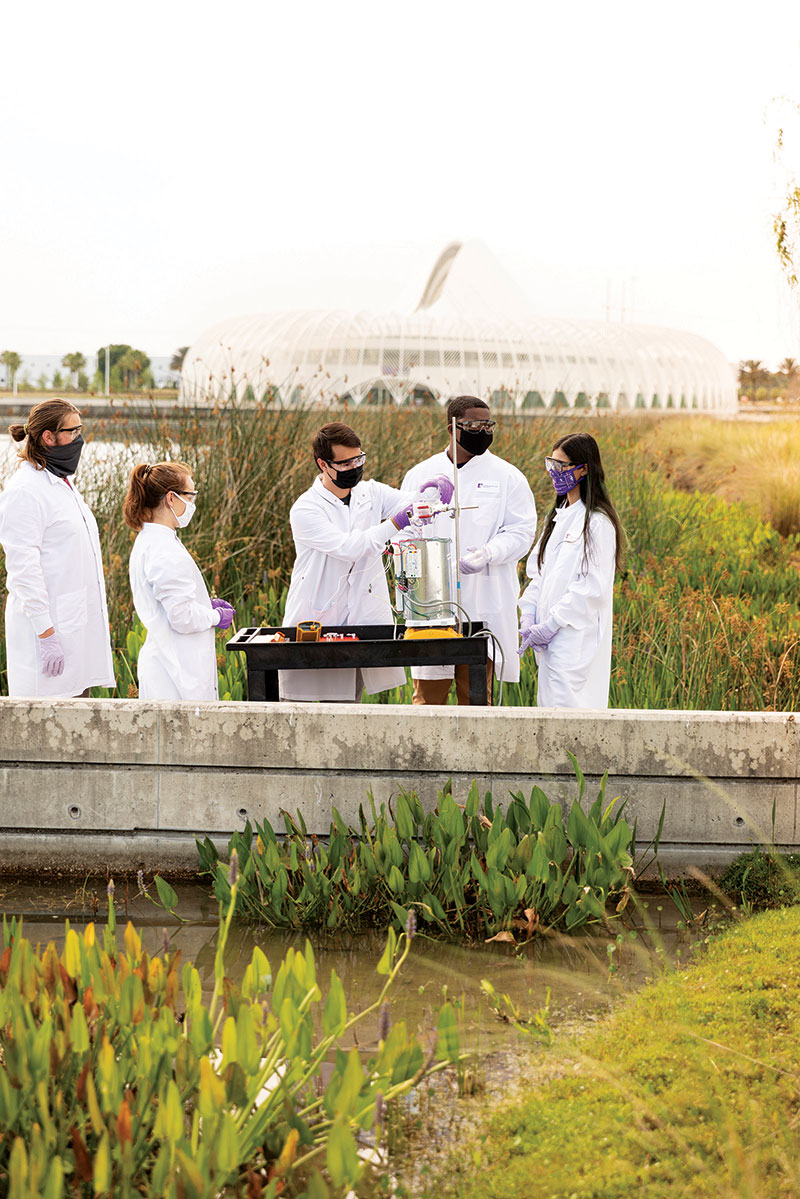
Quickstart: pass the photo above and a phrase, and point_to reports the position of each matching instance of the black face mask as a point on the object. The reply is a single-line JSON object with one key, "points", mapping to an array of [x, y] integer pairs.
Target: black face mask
{"points": [[62, 460], [475, 443], [348, 478]]}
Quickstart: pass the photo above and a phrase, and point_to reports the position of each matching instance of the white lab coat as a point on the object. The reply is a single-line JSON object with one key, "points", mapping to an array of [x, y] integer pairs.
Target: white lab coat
{"points": [[574, 590], [339, 579], [55, 578], [501, 513], [178, 659]]}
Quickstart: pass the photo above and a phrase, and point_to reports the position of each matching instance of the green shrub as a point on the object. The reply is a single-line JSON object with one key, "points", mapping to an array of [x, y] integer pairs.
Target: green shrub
{"points": [[763, 878], [468, 870]]}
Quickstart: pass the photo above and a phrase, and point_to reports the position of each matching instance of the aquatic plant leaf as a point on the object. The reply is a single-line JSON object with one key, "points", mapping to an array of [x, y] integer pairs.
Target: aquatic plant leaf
{"points": [[334, 1016], [387, 957], [350, 1085], [166, 894], [341, 1155], [71, 955], [447, 1041], [226, 1143], [317, 1187], [79, 1030], [101, 1174], [503, 936]]}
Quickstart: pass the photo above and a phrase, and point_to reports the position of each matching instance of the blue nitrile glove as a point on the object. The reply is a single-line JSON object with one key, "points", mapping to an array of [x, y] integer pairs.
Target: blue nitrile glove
{"points": [[443, 485], [226, 613]]}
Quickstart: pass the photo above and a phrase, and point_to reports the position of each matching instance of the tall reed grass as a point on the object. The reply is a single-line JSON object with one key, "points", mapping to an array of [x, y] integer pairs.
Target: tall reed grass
{"points": [[706, 612], [756, 462]]}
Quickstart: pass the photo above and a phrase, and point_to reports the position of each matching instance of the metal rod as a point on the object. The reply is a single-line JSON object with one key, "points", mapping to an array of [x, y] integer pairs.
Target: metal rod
{"points": [[457, 509]]}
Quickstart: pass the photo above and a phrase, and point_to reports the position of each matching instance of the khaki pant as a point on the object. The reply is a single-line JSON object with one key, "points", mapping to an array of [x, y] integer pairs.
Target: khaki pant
{"points": [[436, 691]]}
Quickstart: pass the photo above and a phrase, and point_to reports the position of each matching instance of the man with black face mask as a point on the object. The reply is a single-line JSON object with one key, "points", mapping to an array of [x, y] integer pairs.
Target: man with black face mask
{"points": [[340, 527], [497, 528]]}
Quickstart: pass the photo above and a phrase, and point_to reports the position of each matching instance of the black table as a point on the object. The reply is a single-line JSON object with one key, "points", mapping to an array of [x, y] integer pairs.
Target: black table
{"points": [[377, 645]]}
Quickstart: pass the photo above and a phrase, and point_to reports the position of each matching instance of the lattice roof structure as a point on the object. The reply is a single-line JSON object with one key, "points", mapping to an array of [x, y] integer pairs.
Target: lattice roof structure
{"points": [[471, 333]]}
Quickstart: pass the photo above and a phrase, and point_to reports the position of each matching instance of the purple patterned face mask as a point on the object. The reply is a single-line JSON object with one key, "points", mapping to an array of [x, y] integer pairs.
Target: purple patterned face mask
{"points": [[562, 474]]}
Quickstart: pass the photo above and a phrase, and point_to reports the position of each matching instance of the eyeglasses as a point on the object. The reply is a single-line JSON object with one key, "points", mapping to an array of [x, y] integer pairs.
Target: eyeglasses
{"points": [[476, 426], [555, 464], [192, 494], [348, 463], [75, 430]]}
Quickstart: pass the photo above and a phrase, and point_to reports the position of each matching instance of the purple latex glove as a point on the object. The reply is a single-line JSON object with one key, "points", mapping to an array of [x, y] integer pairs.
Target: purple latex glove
{"points": [[534, 636], [226, 613], [475, 560], [443, 485], [52, 652], [402, 517]]}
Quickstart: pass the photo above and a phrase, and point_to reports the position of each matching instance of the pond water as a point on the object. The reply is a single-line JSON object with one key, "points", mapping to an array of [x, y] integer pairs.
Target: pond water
{"points": [[584, 974]]}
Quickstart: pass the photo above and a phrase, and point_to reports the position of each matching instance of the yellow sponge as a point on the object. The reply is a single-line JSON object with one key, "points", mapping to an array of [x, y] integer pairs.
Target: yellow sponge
{"points": [[414, 634]]}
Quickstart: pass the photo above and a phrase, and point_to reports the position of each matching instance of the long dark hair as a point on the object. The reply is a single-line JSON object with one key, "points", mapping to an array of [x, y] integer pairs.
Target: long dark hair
{"points": [[583, 450]]}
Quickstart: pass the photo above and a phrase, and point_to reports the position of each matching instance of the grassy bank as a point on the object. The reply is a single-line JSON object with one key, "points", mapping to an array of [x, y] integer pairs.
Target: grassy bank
{"points": [[692, 1088], [706, 613]]}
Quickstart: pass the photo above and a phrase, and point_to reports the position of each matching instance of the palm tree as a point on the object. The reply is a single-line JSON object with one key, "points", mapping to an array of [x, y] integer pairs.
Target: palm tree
{"points": [[176, 362], [131, 364], [74, 364], [751, 376], [789, 367], [12, 362]]}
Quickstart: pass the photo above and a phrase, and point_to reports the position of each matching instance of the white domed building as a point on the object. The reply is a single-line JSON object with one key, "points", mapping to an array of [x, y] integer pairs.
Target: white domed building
{"points": [[471, 333]]}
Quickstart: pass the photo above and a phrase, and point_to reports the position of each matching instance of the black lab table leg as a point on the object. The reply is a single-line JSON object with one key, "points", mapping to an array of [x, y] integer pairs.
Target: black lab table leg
{"points": [[477, 685]]}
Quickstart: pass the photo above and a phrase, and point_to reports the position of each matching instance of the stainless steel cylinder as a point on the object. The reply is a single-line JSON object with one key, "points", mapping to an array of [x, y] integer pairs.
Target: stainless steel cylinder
{"points": [[424, 581]]}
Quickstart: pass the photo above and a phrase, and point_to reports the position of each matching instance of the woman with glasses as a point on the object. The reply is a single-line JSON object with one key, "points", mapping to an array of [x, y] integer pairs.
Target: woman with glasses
{"points": [[567, 607], [178, 659], [57, 642]]}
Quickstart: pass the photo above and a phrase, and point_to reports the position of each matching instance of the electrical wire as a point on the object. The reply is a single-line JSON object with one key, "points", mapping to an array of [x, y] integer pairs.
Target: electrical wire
{"points": [[489, 636]]}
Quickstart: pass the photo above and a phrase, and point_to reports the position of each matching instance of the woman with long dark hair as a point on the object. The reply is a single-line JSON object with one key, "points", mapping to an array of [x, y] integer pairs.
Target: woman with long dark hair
{"points": [[568, 605]]}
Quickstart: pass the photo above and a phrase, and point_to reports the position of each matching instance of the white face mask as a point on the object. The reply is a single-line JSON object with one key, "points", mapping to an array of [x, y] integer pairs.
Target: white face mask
{"points": [[187, 515]]}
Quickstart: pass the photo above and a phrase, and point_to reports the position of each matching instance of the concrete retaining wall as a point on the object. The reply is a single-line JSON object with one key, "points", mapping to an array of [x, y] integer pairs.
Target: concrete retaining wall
{"points": [[90, 784]]}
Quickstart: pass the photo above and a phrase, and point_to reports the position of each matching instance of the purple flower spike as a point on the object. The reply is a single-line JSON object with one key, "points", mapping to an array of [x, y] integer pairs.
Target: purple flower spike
{"points": [[384, 1022]]}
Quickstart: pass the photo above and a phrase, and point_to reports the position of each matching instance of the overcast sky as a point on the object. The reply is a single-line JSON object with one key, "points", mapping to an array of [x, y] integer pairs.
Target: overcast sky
{"points": [[166, 165]]}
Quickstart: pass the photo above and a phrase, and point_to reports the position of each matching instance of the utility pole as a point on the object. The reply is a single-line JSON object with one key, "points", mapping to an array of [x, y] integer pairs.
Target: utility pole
{"points": [[108, 371]]}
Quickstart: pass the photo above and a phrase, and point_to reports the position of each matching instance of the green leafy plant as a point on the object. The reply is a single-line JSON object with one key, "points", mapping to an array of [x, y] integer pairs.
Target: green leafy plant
{"points": [[534, 1025], [118, 1078], [468, 870], [762, 878]]}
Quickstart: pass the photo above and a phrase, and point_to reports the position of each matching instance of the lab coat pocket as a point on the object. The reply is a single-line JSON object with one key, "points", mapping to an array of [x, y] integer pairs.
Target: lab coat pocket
{"points": [[486, 515], [488, 598], [71, 611]]}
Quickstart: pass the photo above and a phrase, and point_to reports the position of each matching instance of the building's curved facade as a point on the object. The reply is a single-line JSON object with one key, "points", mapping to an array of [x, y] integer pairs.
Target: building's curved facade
{"points": [[463, 338]]}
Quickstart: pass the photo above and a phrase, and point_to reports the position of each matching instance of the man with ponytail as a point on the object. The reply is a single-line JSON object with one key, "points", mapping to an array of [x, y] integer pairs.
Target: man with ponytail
{"points": [[57, 640]]}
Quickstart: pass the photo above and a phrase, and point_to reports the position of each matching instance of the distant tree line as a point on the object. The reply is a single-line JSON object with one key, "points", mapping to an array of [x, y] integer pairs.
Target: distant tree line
{"points": [[758, 383], [130, 370]]}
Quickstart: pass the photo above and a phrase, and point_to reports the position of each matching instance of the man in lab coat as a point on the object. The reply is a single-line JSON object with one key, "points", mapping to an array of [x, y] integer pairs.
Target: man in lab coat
{"points": [[496, 529], [340, 527]]}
